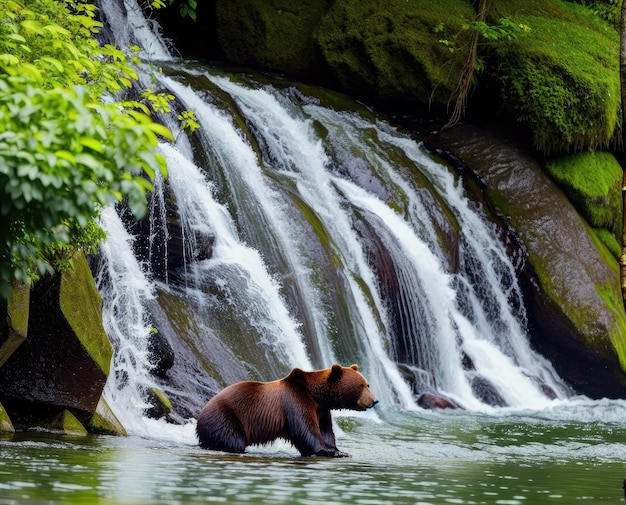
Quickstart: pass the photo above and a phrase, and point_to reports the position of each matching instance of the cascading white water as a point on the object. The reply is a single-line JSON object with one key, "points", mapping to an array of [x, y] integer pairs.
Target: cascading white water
{"points": [[237, 268], [495, 339], [123, 284], [265, 269], [130, 27]]}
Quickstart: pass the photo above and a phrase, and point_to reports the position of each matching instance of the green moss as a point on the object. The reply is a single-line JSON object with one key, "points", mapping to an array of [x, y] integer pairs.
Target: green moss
{"points": [[617, 334], [17, 308], [105, 422], [14, 328], [82, 307], [163, 400], [273, 33], [66, 422], [592, 181], [609, 10], [609, 241], [392, 49], [561, 80], [6, 426]]}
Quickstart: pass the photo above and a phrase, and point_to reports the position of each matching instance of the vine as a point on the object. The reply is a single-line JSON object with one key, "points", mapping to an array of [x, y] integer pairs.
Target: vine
{"points": [[504, 30]]}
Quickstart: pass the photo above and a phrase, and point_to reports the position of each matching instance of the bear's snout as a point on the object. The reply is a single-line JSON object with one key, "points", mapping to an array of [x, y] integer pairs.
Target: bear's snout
{"points": [[367, 400]]}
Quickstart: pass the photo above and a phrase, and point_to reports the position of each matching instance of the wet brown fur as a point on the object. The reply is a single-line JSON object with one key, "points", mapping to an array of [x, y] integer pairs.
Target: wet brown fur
{"points": [[295, 408]]}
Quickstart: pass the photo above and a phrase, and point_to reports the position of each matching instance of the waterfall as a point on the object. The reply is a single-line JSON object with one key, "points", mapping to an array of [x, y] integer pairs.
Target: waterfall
{"points": [[307, 235]]}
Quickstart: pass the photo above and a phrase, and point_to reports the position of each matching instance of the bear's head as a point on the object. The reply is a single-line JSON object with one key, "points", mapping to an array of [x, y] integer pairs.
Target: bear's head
{"points": [[336, 387]]}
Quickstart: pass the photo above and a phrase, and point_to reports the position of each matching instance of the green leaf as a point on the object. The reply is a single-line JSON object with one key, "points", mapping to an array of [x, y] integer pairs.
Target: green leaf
{"points": [[161, 130], [92, 143], [66, 155], [53, 62], [31, 26]]}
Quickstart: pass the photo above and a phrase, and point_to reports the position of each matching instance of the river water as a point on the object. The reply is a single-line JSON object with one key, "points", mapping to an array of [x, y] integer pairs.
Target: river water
{"points": [[571, 453], [300, 177]]}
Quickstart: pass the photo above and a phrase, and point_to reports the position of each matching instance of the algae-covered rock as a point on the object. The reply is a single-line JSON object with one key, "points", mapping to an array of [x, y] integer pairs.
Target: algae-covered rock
{"points": [[161, 405], [13, 320], [65, 422], [560, 80], [66, 357], [551, 65], [6, 426], [575, 311], [395, 50], [105, 422], [593, 182], [275, 34]]}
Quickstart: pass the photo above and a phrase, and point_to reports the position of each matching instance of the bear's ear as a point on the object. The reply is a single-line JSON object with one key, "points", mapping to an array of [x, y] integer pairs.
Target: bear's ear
{"points": [[297, 375], [335, 372], [355, 367]]}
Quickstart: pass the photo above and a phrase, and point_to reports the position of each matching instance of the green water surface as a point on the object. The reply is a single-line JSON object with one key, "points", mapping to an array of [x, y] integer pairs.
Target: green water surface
{"points": [[418, 458]]}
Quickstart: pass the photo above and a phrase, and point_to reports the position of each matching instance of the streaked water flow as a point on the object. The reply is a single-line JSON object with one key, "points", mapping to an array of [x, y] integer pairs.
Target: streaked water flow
{"points": [[304, 233]]}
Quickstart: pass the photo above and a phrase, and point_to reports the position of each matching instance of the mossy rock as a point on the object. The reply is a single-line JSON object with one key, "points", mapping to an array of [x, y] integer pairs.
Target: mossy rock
{"points": [[65, 359], [274, 34], [561, 79], [393, 49], [105, 422], [593, 183], [13, 320], [67, 423], [161, 406], [6, 426], [81, 305], [610, 241]]}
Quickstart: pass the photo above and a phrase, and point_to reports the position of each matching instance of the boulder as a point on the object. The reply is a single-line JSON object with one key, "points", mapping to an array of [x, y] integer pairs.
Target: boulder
{"points": [[159, 239], [66, 423], [161, 406], [433, 401], [13, 321], [570, 279], [65, 359], [6, 426], [161, 354], [104, 421], [274, 34]]}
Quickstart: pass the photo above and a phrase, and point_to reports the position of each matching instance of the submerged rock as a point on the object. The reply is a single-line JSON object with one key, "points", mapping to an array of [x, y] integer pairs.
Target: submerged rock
{"points": [[486, 392], [432, 401]]}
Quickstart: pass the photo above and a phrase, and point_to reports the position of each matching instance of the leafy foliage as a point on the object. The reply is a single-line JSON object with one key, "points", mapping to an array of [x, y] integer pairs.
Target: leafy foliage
{"points": [[187, 8], [64, 150]]}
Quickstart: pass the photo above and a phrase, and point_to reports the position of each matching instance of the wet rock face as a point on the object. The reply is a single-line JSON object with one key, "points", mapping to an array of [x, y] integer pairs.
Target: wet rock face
{"points": [[13, 321], [65, 359], [159, 239], [571, 286], [486, 392], [162, 354]]}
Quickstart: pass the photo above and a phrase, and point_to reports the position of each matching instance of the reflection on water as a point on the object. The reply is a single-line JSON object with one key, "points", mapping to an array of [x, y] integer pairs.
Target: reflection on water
{"points": [[420, 458]]}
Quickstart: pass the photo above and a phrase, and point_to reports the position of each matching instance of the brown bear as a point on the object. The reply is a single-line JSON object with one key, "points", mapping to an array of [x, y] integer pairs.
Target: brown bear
{"points": [[295, 408]]}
